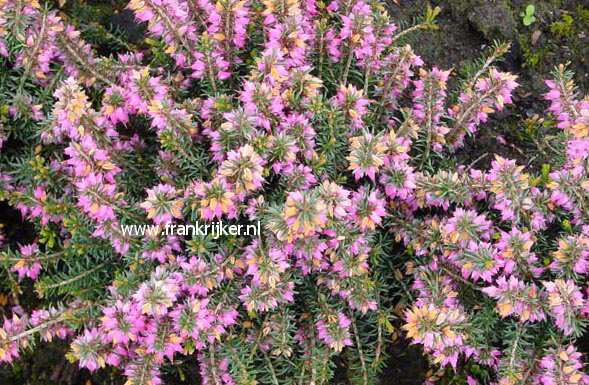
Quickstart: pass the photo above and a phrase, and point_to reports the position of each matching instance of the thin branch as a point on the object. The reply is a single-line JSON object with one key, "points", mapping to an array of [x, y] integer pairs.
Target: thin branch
{"points": [[77, 277], [37, 328], [360, 352], [271, 367], [83, 63]]}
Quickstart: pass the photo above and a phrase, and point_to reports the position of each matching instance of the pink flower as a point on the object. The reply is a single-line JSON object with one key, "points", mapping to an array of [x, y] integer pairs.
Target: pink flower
{"points": [[334, 331], [566, 302], [367, 155], [351, 101], [516, 297], [89, 350], [265, 265], [28, 263], [243, 169], [215, 198], [368, 208], [563, 366], [96, 197], [161, 204], [156, 296]]}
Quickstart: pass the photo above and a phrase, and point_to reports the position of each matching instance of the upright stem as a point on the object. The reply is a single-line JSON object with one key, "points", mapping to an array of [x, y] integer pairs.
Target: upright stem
{"points": [[366, 77], [212, 75], [348, 64], [321, 42], [213, 366], [271, 367], [515, 344], [83, 63], [360, 352], [387, 87], [429, 97]]}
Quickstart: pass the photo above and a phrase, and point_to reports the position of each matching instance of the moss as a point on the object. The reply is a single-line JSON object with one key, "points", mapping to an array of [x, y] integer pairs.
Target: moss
{"points": [[564, 28], [583, 15], [533, 57], [563, 38]]}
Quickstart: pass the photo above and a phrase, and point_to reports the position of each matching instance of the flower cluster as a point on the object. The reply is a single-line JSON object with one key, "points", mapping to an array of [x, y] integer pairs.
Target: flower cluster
{"points": [[563, 366], [441, 330], [334, 330], [496, 228], [310, 118]]}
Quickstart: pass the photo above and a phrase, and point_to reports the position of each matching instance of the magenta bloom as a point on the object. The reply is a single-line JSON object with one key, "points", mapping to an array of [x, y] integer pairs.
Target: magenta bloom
{"points": [[28, 265], [334, 331], [368, 208]]}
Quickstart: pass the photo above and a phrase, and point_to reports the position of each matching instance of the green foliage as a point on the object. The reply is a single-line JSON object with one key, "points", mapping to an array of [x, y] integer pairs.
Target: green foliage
{"points": [[528, 15], [564, 28]]}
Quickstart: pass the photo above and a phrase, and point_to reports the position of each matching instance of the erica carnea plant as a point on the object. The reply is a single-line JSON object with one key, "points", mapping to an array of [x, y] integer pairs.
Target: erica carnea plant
{"points": [[319, 121]]}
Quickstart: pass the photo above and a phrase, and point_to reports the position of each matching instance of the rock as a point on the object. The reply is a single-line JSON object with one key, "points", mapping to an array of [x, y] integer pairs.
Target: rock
{"points": [[493, 18], [536, 36]]}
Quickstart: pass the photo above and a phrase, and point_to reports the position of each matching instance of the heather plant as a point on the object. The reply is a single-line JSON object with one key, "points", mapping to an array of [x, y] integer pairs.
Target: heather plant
{"points": [[319, 121]]}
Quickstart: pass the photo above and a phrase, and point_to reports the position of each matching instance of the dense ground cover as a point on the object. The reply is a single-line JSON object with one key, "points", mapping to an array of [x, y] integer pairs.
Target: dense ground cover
{"points": [[417, 180]]}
